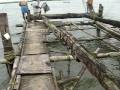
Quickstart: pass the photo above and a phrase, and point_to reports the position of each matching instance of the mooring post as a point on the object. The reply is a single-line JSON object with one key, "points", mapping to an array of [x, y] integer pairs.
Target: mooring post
{"points": [[98, 32], [7, 44], [100, 12]]}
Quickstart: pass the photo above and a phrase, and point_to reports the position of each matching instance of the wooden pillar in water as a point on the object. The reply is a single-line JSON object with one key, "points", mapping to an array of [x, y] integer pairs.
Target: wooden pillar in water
{"points": [[7, 44], [100, 13], [98, 32]]}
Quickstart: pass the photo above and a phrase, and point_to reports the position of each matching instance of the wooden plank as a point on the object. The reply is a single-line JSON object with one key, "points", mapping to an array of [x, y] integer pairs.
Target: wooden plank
{"points": [[34, 37], [37, 29], [34, 48], [34, 64], [35, 26], [37, 82]]}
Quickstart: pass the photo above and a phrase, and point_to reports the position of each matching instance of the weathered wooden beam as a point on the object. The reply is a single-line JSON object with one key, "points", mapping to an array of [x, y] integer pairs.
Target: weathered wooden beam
{"points": [[108, 29], [107, 21], [80, 15], [13, 75], [61, 58], [60, 23], [17, 83], [87, 39], [7, 44], [81, 54], [60, 16]]}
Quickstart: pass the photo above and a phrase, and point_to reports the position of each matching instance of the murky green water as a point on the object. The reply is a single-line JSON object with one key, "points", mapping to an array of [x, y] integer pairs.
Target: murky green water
{"points": [[88, 82]]}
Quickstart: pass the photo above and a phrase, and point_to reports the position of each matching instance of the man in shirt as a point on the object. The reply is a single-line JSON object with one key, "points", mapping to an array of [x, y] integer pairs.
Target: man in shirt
{"points": [[36, 7], [24, 8]]}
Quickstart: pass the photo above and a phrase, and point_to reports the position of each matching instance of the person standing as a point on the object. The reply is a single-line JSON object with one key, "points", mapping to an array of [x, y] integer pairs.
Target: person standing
{"points": [[24, 8], [89, 5], [36, 8]]}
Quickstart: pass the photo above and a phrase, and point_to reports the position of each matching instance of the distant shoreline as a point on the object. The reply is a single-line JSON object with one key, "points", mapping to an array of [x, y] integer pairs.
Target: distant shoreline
{"points": [[12, 2], [28, 1]]}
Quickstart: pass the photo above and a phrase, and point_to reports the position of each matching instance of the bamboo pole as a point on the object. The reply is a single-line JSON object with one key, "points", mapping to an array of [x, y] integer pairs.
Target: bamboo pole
{"points": [[61, 58], [92, 16], [109, 54]]}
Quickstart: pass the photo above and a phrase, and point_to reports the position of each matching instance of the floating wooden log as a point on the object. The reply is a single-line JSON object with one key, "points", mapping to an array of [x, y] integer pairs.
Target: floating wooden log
{"points": [[80, 53], [61, 58]]}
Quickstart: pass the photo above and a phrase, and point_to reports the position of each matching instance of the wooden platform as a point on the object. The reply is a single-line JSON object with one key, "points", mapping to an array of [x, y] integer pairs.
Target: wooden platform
{"points": [[34, 66], [37, 82]]}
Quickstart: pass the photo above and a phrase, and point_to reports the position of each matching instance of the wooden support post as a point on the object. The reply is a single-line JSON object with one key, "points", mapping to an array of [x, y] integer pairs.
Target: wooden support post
{"points": [[100, 14], [7, 44], [98, 32]]}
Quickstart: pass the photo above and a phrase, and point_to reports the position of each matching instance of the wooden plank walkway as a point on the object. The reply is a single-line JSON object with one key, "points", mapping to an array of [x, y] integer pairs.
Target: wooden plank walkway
{"points": [[34, 66]]}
